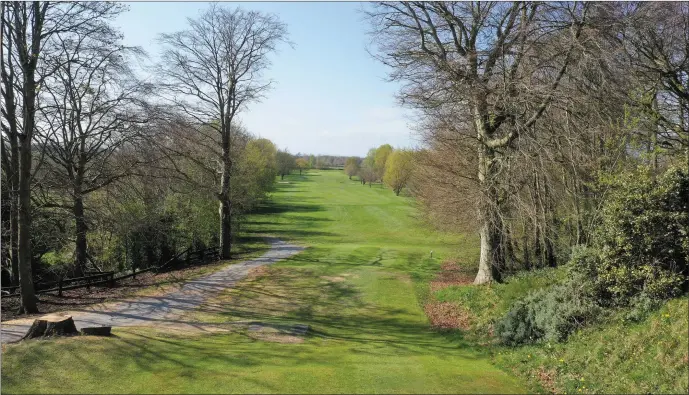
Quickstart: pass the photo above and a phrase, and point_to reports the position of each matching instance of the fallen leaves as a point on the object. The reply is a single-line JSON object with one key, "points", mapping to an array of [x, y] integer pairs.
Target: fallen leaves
{"points": [[451, 274], [446, 315]]}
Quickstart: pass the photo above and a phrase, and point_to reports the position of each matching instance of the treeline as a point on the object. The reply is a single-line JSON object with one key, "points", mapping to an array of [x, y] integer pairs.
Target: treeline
{"points": [[549, 126], [323, 162], [393, 167], [105, 170]]}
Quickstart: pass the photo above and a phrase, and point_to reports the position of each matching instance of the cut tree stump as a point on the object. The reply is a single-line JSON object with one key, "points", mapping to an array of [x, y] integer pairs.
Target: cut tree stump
{"points": [[96, 331], [52, 325]]}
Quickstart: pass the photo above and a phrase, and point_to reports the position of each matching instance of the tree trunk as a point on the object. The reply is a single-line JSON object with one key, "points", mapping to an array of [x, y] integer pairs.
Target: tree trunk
{"points": [[80, 222], [52, 325], [14, 215], [26, 285], [97, 331], [489, 233], [282, 176], [10, 114], [225, 203]]}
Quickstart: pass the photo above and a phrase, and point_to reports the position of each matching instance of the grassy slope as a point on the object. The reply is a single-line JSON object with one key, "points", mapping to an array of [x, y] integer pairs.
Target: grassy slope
{"points": [[646, 357], [357, 285], [614, 357]]}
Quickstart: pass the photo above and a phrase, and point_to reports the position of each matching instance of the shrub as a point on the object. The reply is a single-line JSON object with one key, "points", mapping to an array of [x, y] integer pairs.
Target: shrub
{"points": [[643, 237], [549, 314]]}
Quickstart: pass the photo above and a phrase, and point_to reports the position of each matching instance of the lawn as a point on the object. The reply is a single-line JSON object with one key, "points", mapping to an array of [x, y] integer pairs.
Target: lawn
{"points": [[360, 286]]}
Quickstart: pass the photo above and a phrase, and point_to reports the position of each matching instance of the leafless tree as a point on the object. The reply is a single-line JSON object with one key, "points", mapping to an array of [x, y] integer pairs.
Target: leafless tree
{"points": [[28, 33], [214, 70], [91, 107], [494, 67], [655, 37]]}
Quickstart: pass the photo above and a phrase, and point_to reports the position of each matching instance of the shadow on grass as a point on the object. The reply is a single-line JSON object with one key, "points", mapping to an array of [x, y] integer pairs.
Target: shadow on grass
{"points": [[277, 208]]}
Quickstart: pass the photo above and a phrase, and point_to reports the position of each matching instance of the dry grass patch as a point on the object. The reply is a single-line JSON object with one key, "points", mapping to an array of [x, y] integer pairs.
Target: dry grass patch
{"points": [[446, 315], [451, 274], [547, 379]]}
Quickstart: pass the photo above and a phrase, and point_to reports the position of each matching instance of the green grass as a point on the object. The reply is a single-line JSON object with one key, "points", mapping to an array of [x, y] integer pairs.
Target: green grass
{"points": [[611, 357], [617, 357], [486, 304], [360, 285]]}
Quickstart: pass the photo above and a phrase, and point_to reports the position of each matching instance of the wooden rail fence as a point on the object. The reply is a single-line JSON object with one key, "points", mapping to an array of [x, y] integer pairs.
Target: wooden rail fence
{"points": [[186, 258]]}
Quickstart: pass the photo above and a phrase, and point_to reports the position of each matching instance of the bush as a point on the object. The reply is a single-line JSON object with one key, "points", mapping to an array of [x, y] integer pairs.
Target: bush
{"points": [[643, 237], [549, 314]]}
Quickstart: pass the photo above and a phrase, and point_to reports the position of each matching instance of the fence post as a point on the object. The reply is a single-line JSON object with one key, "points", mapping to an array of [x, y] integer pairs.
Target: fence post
{"points": [[134, 272], [59, 286], [111, 280]]}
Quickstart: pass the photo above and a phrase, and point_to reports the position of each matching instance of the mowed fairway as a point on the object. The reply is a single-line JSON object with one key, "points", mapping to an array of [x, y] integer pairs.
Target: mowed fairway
{"points": [[359, 285]]}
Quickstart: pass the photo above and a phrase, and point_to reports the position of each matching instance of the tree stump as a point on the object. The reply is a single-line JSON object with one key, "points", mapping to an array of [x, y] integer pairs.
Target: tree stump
{"points": [[96, 331], [52, 325]]}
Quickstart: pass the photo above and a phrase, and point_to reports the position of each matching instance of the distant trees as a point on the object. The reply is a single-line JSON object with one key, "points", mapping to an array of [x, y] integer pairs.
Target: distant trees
{"points": [[380, 159], [212, 71], [302, 164], [399, 167], [285, 163], [351, 166]]}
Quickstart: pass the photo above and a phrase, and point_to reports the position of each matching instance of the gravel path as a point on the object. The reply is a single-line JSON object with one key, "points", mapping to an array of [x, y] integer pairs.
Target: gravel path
{"points": [[164, 310]]}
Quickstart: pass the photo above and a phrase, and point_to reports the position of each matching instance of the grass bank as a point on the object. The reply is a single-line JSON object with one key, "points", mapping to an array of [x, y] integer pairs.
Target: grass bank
{"points": [[617, 356]]}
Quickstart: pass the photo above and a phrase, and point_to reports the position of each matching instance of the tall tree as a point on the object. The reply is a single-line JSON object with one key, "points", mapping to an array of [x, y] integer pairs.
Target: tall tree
{"points": [[29, 33], [90, 110], [469, 63], [212, 71]]}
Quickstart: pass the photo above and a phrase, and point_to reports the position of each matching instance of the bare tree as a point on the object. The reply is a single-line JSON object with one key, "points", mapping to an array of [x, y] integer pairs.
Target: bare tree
{"points": [[655, 37], [212, 71], [90, 109], [489, 71], [29, 30]]}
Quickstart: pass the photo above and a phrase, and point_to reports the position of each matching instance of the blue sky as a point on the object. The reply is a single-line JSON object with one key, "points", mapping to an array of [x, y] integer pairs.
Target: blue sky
{"points": [[330, 96]]}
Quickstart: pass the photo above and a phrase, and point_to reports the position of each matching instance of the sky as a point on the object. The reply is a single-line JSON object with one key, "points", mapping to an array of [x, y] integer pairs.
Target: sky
{"points": [[330, 96]]}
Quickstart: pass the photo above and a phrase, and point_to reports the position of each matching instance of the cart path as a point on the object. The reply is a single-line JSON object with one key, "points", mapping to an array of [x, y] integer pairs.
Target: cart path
{"points": [[167, 309]]}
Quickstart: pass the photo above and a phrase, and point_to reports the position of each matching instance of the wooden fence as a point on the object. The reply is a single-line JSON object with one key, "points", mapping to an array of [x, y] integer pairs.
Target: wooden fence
{"points": [[186, 258]]}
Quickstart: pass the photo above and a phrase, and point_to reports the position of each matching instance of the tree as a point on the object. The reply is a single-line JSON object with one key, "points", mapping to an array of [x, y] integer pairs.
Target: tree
{"points": [[90, 108], [465, 63], [352, 166], [212, 71], [380, 158], [301, 164], [29, 30], [285, 163], [654, 37], [398, 169]]}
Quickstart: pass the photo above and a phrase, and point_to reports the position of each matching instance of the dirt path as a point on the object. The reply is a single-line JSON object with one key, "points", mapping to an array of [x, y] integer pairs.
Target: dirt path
{"points": [[164, 310]]}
